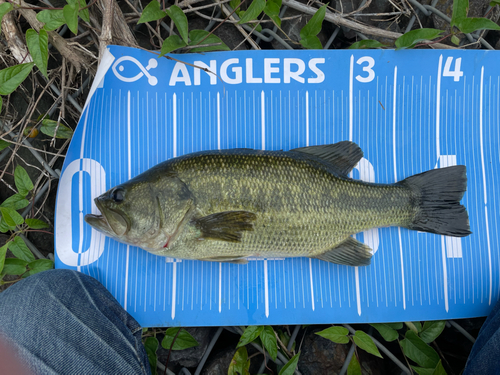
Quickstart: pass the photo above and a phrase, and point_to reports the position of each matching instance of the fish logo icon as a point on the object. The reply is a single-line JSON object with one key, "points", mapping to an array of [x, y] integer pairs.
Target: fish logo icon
{"points": [[119, 68]]}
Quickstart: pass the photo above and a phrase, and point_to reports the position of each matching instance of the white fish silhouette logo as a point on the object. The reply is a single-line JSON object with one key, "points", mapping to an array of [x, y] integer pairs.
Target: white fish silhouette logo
{"points": [[118, 68]]}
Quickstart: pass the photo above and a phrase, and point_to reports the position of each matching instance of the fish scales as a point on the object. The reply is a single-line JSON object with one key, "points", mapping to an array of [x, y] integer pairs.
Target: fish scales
{"points": [[231, 204], [303, 208]]}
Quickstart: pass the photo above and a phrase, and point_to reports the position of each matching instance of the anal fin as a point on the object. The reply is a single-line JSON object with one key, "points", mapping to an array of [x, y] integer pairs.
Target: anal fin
{"points": [[351, 252]]}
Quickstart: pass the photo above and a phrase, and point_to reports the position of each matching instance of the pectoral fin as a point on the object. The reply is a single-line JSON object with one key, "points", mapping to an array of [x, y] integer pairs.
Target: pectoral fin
{"points": [[235, 260], [351, 252], [225, 226]]}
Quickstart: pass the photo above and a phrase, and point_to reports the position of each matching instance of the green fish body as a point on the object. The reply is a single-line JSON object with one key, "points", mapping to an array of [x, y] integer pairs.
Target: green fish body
{"points": [[231, 204]]}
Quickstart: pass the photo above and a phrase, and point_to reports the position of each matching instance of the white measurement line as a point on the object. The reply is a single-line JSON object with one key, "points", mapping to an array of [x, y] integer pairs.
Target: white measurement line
{"points": [[220, 286], [218, 121], [484, 179], [263, 119], [394, 101], [307, 118], [351, 72], [351, 125], [174, 263], [263, 138], [311, 281], [129, 151], [266, 289], [174, 288], [438, 106]]}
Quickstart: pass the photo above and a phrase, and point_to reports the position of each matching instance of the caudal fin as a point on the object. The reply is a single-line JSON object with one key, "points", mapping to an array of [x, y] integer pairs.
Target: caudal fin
{"points": [[437, 195]]}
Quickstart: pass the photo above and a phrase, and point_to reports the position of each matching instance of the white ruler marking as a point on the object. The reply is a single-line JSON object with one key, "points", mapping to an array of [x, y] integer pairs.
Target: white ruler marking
{"points": [[129, 151], [396, 179], [484, 180]]}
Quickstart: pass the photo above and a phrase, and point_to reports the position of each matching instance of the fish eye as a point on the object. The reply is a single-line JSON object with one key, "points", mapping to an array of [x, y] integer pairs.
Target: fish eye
{"points": [[117, 195]]}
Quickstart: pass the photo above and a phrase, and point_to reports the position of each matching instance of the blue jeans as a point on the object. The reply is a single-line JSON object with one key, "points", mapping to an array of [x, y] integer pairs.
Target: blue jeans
{"points": [[65, 322], [484, 358]]}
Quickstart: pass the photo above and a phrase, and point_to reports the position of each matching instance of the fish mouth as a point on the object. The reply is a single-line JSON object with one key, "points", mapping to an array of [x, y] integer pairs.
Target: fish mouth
{"points": [[111, 222]]}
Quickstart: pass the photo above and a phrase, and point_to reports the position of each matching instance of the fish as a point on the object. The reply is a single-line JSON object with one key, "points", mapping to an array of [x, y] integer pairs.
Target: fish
{"points": [[228, 205]]}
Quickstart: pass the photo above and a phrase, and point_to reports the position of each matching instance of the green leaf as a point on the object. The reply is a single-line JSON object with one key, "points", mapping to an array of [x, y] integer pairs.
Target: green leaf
{"points": [[418, 351], [183, 341], [36, 224], [11, 78], [239, 364], [22, 180], [3, 252], [20, 250], [366, 343], [411, 38], [11, 216], [367, 43], [180, 20], [460, 10], [16, 201], [494, 3], [3, 144], [253, 11], [439, 370], [290, 367], [414, 326], [387, 332], [234, 3], [13, 266], [4, 9], [4, 227], [170, 44], [197, 36], [39, 265], [335, 334], [455, 40], [152, 12], [311, 42], [52, 18], [1, 105], [84, 12], [469, 25], [272, 10], [151, 346], [354, 368], [71, 17], [250, 334], [423, 371], [313, 27], [431, 330], [38, 45], [49, 127], [268, 338]]}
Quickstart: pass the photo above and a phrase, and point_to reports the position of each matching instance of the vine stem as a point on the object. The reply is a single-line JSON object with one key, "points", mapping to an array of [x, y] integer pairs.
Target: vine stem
{"points": [[170, 350]]}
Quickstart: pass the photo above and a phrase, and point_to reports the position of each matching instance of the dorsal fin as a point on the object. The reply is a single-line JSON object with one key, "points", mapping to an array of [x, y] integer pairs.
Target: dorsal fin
{"points": [[342, 155]]}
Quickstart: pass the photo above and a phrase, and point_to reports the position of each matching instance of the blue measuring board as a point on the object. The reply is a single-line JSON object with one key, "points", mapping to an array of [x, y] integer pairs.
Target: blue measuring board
{"points": [[410, 111]]}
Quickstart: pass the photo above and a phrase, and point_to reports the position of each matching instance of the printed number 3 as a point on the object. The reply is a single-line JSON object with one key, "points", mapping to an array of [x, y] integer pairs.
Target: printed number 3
{"points": [[368, 69]]}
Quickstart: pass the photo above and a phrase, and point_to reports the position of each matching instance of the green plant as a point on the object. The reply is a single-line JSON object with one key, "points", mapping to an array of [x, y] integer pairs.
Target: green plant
{"points": [[193, 38], [267, 337], [459, 20], [415, 344], [175, 338], [24, 263]]}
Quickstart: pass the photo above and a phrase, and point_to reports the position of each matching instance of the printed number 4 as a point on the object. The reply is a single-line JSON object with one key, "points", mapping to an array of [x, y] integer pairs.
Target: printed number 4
{"points": [[368, 69], [457, 73]]}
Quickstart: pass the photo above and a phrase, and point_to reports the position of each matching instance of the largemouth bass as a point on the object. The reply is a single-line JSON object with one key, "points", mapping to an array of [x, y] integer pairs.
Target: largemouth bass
{"points": [[228, 205]]}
